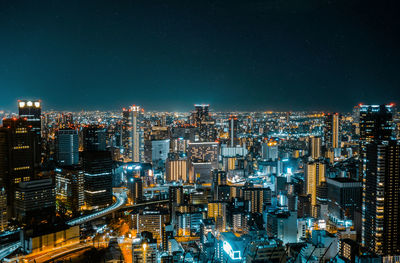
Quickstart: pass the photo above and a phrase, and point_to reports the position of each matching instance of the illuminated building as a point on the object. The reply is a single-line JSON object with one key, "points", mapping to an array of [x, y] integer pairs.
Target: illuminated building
{"points": [[257, 197], [376, 123], [35, 199], [233, 131], [283, 225], [344, 196], [94, 138], [67, 147], [314, 176], [188, 223], [43, 240], [381, 198], [133, 133], [144, 249], [135, 186], [218, 179], [315, 147], [31, 110], [264, 249], [151, 221], [202, 119], [348, 250], [217, 211], [176, 167], [270, 150], [159, 152], [17, 156], [69, 190], [230, 247], [3, 209], [98, 179], [203, 152]]}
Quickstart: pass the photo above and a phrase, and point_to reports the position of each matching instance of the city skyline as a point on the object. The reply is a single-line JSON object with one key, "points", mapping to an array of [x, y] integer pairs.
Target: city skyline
{"points": [[249, 55]]}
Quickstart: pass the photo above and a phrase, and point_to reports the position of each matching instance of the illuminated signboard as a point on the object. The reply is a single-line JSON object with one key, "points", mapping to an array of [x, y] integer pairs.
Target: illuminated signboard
{"points": [[228, 249]]}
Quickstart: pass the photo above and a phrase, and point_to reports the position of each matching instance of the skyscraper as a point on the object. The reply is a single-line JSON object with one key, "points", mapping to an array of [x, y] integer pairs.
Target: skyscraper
{"points": [[381, 198], [94, 138], [314, 176], [315, 147], [31, 110], [17, 149], [376, 123], [98, 178], [332, 129], [233, 131], [67, 147], [133, 133]]}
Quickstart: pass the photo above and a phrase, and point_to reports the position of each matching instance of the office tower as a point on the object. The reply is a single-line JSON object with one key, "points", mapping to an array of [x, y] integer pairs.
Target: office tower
{"points": [[381, 198], [35, 199], [135, 186], [376, 123], [314, 176], [133, 133], [17, 149], [94, 138], [233, 131], [31, 110], [70, 193], [315, 147], [176, 167], [67, 147], [98, 179], [344, 196], [3, 209], [335, 131], [151, 221], [269, 150], [304, 206], [283, 225], [218, 211], [230, 247], [202, 119], [144, 249]]}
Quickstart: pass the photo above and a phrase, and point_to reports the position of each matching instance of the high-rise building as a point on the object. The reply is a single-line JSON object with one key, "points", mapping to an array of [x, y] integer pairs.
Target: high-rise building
{"points": [[376, 123], [381, 198], [257, 197], [94, 138], [67, 147], [17, 149], [70, 195], [151, 221], [233, 131], [144, 249], [98, 179], [31, 110], [202, 119], [314, 176], [269, 150], [3, 209], [204, 158], [176, 167], [218, 179], [315, 147], [135, 186], [35, 199], [218, 211], [331, 130], [344, 196], [133, 133], [283, 225]]}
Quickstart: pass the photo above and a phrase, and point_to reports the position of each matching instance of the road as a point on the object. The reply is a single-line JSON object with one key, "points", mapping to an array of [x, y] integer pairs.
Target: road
{"points": [[121, 200]]}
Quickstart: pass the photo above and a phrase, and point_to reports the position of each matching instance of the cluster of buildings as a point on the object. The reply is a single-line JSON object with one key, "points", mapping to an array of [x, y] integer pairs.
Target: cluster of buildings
{"points": [[238, 187]]}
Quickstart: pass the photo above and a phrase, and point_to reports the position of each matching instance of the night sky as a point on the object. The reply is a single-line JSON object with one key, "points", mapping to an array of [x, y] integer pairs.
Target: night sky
{"points": [[168, 55]]}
